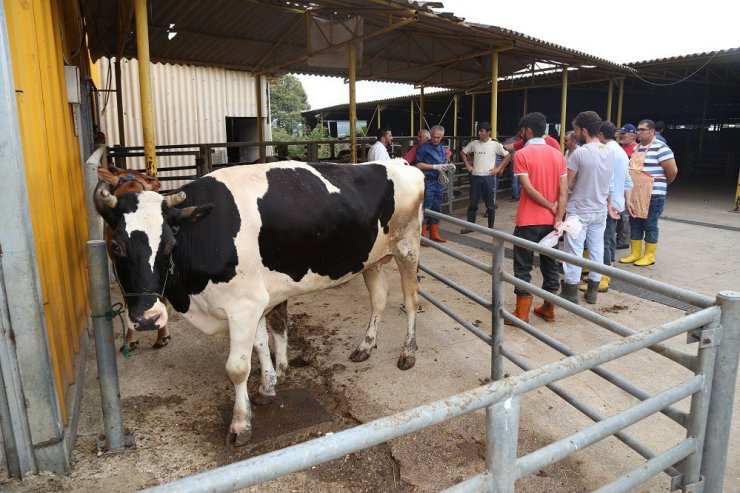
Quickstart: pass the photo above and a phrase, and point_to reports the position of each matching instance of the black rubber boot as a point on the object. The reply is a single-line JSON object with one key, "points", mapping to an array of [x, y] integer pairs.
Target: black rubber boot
{"points": [[592, 290], [491, 218], [471, 216], [569, 292]]}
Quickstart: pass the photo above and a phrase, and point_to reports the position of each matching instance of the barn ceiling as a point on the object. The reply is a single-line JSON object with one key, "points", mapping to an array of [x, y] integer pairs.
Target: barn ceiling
{"points": [[401, 41]]}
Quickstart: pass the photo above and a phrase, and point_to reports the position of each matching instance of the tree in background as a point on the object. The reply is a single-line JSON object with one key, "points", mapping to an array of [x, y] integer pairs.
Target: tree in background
{"points": [[287, 100]]}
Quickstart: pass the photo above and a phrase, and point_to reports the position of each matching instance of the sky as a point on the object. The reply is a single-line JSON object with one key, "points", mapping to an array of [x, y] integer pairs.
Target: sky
{"points": [[644, 31]]}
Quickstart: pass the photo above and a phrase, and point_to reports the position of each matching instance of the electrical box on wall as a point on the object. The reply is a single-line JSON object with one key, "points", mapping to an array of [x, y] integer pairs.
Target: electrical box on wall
{"points": [[72, 76]]}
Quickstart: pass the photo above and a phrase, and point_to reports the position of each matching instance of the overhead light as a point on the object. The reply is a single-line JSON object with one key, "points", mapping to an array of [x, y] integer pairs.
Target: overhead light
{"points": [[588, 66], [171, 33]]}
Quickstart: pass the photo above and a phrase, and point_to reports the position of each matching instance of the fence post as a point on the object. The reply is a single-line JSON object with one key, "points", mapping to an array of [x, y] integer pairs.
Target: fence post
{"points": [[105, 350], [497, 301], [313, 152], [709, 338], [723, 393], [502, 434], [200, 161]]}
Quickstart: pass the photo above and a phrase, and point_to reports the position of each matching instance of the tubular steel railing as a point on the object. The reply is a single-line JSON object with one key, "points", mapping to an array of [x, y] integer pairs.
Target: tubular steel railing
{"points": [[711, 392]]}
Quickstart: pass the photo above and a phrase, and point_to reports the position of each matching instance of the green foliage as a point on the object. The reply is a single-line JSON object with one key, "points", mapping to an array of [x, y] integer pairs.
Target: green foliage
{"points": [[287, 100]]}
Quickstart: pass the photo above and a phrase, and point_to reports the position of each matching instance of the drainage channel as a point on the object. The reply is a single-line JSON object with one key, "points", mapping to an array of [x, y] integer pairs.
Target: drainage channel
{"points": [[699, 223], [615, 284]]}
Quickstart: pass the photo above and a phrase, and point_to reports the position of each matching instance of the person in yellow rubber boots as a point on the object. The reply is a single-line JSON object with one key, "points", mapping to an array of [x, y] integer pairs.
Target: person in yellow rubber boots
{"points": [[654, 158], [543, 177]]}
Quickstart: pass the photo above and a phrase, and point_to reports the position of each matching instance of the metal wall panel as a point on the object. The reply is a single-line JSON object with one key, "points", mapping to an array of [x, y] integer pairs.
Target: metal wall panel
{"points": [[191, 104], [53, 172]]}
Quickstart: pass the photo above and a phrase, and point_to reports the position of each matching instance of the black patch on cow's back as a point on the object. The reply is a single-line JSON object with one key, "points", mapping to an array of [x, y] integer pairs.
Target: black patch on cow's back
{"points": [[205, 249], [304, 226]]}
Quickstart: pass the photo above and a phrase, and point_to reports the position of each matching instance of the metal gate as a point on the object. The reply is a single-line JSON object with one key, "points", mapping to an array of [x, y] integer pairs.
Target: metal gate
{"points": [[695, 464]]}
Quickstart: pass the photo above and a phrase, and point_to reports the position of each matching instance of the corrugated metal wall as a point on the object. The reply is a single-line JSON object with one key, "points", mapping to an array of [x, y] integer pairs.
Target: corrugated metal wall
{"points": [[190, 105], [54, 175]]}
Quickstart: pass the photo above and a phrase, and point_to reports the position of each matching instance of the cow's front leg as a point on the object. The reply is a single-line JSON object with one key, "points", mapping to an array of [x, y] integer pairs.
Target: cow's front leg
{"points": [[277, 323], [268, 378], [163, 338], [242, 331], [132, 336], [378, 288]]}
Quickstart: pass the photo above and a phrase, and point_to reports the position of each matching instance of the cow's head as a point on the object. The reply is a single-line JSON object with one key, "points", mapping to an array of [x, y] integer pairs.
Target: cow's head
{"points": [[144, 225]]}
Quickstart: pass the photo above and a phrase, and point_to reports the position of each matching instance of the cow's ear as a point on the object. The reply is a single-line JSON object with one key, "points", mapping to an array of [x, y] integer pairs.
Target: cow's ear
{"points": [[108, 176], [105, 203], [189, 215]]}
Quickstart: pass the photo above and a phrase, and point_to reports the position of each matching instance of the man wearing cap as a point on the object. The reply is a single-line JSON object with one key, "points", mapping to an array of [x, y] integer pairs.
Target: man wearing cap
{"points": [[628, 138], [483, 172]]}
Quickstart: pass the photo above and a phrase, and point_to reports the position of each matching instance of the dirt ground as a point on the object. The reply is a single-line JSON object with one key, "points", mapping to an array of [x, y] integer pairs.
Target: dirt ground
{"points": [[177, 400]]}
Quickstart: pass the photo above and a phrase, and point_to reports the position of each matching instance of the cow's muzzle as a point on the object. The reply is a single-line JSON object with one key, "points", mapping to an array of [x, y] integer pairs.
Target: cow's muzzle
{"points": [[154, 318]]}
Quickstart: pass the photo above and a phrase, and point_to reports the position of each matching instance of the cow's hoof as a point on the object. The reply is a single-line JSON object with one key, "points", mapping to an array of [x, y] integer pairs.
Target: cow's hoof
{"points": [[239, 439], [161, 343], [359, 355], [262, 400], [131, 346], [406, 362]]}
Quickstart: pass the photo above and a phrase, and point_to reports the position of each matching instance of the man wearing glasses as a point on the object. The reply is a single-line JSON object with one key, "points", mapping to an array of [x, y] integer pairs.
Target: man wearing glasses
{"points": [[657, 161]]}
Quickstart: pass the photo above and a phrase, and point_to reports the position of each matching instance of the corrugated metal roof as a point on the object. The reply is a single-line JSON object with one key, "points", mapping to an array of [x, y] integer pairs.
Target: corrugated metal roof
{"points": [[403, 41], [694, 57]]}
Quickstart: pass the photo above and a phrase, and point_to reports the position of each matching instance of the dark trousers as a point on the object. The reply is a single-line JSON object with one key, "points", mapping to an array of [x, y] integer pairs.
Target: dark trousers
{"points": [[524, 258], [610, 240], [648, 228], [483, 187]]}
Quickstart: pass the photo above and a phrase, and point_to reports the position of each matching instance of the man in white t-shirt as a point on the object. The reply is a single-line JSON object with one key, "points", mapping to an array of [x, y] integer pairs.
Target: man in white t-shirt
{"points": [[484, 172], [379, 150]]}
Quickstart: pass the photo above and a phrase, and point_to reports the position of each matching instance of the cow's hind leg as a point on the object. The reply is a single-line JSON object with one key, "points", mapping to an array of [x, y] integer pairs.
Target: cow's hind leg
{"points": [[378, 288], [268, 378], [277, 323], [407, 266], [242, 330]]}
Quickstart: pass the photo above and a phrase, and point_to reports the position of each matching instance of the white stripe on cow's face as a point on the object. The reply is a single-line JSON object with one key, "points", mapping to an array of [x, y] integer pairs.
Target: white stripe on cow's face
{"points": [[149, 220]]}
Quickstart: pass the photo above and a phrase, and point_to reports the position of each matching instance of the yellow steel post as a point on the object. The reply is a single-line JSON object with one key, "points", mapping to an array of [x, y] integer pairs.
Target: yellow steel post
{"points": [[421, 109], [352, 103], [454, 123], [609, 98], [411, 128], [145, 86], [620, 100], [526, 101], [377, 110], [494, 95], [563, 105], [260, 118]]}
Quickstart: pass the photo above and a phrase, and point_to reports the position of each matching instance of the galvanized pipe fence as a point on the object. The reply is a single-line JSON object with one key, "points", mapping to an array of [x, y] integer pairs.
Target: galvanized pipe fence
{"points": [[708, 327]]}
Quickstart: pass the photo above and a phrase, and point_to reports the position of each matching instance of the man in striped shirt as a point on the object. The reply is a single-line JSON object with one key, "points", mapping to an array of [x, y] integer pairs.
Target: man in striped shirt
{"points": [[661, 165]]}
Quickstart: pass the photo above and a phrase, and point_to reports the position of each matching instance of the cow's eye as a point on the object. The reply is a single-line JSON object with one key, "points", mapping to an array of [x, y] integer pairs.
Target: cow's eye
{"points": [[118, 249]]}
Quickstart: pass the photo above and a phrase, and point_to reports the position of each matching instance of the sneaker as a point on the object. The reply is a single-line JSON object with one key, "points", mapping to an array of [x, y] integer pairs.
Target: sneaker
{"points": [[465, 231], [513, 199], [623, 246]]}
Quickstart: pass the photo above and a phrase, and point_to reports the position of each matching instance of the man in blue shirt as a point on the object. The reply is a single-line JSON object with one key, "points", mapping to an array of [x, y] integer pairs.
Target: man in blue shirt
{"points": [[430, 159]]}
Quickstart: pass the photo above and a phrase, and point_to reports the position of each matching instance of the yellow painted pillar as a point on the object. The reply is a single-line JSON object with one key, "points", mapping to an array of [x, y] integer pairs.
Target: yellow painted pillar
{"points": [[494, 95], [145, 86], [411, 128], [472, 115], [352, 103], [620, 100], [377, 110], [563, 106], [421, 109], [260, 117], [609, 98], [526, 101], [454, 123]]}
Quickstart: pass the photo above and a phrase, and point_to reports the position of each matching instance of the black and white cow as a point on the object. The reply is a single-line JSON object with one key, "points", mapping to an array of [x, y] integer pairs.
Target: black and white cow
{"points": [[232, 245]]}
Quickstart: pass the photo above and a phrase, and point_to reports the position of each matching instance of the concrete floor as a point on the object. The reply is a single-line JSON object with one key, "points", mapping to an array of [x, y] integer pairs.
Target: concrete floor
{"points": [[171, 397]]}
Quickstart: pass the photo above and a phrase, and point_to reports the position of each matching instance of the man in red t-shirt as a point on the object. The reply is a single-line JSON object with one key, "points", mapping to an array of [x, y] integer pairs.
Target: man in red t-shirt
{"points": [[543, 176], [628, 138]]}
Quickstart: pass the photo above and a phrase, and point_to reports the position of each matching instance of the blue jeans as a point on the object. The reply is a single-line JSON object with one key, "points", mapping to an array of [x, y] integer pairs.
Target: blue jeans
{"points": [[482, 187], [648, 228], [515, 187], [433, 193], [592, 233], [610, 240]]}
